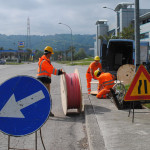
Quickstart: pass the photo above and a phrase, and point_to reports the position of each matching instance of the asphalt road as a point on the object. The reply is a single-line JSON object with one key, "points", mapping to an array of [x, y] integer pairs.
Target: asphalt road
{"points": [[60, 132]]}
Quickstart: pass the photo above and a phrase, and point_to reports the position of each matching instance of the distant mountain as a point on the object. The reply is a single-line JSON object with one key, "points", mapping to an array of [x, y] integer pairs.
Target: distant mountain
{"points": [[59, 42]]}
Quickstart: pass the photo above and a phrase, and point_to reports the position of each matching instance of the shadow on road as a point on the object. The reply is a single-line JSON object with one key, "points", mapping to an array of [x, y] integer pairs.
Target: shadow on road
{"points": [[93, 109], [71, 117]]}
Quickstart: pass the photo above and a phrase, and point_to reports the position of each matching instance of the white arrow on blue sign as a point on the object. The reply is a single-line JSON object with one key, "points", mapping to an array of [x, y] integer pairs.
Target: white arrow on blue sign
{"points": [[24, 105]]}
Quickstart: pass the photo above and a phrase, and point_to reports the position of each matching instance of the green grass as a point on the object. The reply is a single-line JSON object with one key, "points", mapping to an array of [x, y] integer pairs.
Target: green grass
{"points": [[78, 62], [147, 105], [13, 63], [127, 87]]}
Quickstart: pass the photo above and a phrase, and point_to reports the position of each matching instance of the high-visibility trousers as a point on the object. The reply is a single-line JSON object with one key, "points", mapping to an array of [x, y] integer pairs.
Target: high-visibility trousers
{"points": [[89, 79], [104, 91]]}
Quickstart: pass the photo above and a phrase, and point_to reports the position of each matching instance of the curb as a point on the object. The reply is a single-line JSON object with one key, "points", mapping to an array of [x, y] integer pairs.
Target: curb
{"points": [[95, 138]]}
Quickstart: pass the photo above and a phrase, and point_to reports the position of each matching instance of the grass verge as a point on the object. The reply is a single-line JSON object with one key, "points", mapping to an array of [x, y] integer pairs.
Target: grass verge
{"points": [[13, 63], [86, 61]]}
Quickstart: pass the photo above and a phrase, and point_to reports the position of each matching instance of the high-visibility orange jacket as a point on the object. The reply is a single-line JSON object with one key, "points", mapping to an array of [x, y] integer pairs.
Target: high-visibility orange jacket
{"points": [[106, 79], [92, 67], [45, 68]]}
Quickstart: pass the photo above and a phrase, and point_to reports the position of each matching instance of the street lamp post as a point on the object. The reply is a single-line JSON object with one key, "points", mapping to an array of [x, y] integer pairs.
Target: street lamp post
{"points": [[109, 8], [117, 13], [137, 31], [137, 34], [71, 40]]}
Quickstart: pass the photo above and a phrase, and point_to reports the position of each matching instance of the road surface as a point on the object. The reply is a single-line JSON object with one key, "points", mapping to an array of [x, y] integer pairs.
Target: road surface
{"points": [[60, 132]]}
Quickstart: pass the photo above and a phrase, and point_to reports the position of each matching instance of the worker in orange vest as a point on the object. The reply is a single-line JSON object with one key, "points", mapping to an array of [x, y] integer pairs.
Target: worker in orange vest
{"points": [[46, 69], [90, 72], [106, 81]]}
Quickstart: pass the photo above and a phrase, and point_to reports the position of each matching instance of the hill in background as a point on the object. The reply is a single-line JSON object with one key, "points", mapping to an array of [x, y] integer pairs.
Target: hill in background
{"points": [[59, 42]]}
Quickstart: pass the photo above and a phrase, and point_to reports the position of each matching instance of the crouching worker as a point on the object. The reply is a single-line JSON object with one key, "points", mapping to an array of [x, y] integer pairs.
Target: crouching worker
{"points": [[106, 81], [46, 69]]}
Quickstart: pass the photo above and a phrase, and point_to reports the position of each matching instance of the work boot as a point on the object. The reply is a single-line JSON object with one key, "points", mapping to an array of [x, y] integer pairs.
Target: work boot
{"points": [[89, 92], [51, 114]]}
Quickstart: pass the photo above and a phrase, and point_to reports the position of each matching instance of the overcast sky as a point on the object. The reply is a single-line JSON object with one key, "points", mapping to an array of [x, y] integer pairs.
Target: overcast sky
{"points": [[44, 15]]}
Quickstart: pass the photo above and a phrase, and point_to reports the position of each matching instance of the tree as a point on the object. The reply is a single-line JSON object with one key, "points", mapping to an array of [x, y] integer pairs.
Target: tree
{"points": [[127, 32], [56, 55], [66, 54], [105, 37], [72, 50], [81, 54], [28, 55], [38, 54]]}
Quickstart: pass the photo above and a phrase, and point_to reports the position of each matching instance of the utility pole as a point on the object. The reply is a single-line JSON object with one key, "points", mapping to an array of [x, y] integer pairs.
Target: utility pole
{"points": [[137, 34], [28, 43]]}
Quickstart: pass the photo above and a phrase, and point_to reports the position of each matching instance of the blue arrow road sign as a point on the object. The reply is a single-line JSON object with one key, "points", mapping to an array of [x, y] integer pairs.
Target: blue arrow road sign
{"points": [[24, 105]]}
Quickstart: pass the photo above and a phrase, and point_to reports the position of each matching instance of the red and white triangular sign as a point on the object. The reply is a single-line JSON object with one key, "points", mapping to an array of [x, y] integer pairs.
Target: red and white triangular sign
{"points": [[140, 86]]}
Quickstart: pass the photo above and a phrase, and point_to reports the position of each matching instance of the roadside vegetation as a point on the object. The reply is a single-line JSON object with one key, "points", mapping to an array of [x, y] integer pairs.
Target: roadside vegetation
{"points": [[127, 87], [13, 63], [79, 57], [127, 33], [85, 61], [147, 105]]}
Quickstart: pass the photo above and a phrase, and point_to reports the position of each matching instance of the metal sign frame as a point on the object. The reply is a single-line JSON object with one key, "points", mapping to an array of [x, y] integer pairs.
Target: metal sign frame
{"points": [[128, 96], [36, 146]]}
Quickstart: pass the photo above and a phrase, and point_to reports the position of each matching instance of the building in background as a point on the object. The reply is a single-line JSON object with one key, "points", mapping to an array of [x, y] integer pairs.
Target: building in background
{"points": [[124, 17], [145, 27], [102, 29]]}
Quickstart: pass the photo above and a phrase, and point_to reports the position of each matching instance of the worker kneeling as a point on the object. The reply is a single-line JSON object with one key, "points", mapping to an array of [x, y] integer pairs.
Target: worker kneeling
{"points": [[106, 82]]}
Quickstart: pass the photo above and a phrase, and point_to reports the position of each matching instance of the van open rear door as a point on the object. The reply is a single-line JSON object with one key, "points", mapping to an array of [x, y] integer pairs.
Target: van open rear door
{"points": [[119, 52]]}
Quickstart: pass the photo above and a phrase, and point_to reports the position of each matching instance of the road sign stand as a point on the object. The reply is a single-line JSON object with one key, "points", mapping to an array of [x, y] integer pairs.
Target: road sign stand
{"points": [[129, 110], [8, 142], [133, 113], [35, 140], [9, 136], [139, 88], [131, 103]]}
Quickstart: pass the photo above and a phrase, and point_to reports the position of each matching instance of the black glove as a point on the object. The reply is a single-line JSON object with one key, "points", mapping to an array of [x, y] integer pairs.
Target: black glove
{"points": [[60, 72]]}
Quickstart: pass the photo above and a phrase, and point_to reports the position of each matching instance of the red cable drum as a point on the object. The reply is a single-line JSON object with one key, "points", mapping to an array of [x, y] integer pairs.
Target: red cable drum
{"points": [[71, 94]]}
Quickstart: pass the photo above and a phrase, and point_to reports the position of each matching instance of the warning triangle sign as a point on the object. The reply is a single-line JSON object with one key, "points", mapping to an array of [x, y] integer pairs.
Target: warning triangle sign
{"points": [[140, 87]]}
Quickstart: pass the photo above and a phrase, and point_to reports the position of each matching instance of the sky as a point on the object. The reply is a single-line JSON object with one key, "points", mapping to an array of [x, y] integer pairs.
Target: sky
{"points": [[45, 15]]}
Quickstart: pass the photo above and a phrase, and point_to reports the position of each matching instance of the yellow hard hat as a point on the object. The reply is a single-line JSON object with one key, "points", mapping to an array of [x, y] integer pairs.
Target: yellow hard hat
{"points": [[49, 49], [97, 58], [96, 72]]}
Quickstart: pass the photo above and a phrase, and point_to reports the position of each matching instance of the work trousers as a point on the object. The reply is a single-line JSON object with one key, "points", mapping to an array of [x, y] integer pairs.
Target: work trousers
{"points": [[89, 79], [105, 90], [47, 85]]}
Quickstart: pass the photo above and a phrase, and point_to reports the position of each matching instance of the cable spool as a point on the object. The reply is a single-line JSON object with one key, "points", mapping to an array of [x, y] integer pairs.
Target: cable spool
{"points": [[126, 73], [71, 91]]}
